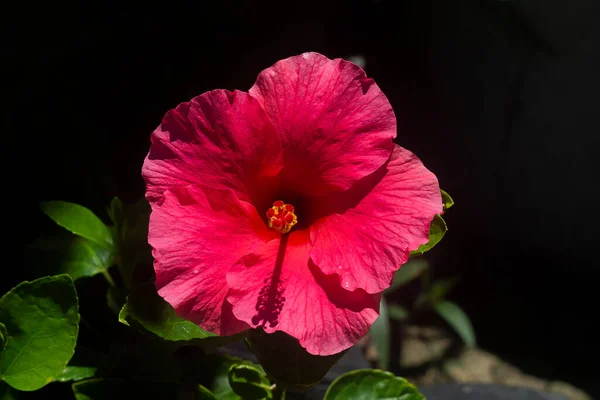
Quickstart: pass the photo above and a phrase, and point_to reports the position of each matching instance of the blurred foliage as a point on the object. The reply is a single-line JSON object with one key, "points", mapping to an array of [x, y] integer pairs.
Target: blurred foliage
{"points": [[426, 295]]}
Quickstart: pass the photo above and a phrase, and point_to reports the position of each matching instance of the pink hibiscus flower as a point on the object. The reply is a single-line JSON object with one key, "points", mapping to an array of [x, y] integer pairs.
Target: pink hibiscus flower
{"points": [[287, 208]]}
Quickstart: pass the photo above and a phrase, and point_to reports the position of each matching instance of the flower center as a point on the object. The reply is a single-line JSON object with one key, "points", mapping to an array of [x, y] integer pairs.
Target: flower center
{"points": [[281, 217]]}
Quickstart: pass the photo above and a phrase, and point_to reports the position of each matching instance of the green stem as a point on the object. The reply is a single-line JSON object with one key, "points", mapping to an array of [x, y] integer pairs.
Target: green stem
{"points": [[425, 281], [278, 392], [109, 278]]}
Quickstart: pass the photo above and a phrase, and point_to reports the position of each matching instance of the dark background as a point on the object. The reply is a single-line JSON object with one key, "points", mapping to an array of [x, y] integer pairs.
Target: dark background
{"points": [[498, 98]]}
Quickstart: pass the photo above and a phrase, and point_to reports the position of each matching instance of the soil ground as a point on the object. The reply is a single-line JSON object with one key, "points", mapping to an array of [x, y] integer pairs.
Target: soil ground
{"points": [[433, 355]]}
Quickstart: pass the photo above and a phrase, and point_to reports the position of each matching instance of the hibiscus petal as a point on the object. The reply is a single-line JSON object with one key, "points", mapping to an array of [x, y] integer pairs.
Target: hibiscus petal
{"points": [[219, 139], [197, 234], [369, 240], [335, 124], [277, 288]]}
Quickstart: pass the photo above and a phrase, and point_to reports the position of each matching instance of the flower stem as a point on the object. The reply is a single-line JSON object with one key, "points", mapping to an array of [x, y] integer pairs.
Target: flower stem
{"points": [[109, 278], [278, 392]]}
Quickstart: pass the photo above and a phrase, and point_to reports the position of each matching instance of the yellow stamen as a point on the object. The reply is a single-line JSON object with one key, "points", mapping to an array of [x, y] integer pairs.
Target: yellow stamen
{"points": [[281, 217]]}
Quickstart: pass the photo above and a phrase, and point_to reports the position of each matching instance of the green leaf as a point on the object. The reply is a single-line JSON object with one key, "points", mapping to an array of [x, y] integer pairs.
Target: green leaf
{"points": [[380, 333], [101, 389], [436, 293], [397, 312], [41, 319], [440, 289], [3, 336], [87, 362], [220, 382], [437, 230], [131, 233], [7, 393], [116, 298], [371, 384], [75, 373], [447, 200], [72, 255], [204, 394], [249, 383], [155, 315], [458, 320], [408, 272], [115, 210], [286, 362], [80, 221]]}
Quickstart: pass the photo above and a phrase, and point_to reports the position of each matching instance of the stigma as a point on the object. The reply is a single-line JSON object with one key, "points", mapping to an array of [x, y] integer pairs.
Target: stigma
{"points": [[281, 217]]}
